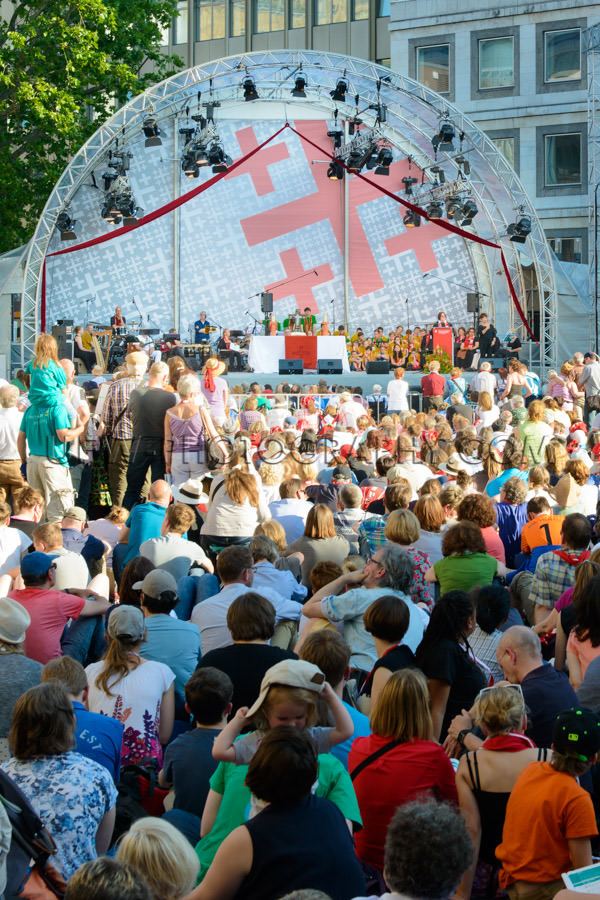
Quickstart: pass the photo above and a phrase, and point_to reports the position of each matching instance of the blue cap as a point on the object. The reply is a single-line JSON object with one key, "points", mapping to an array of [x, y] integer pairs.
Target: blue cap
{"points": [[37, 563]]}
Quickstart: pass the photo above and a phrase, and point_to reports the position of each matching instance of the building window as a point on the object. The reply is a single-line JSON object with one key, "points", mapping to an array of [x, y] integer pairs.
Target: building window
{"points": [[496, 63], [562, 55], [384, 62], [384, 8], [237, 11], [180, 24], [569, 249], [327, 12], [297, 13], [433, 67], [210, 19], [506, 146], [360, 9], [562, 159], [268, 16]]}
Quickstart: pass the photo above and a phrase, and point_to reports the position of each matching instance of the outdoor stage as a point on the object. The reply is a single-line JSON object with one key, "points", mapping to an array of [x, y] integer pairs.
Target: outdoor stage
{"points": [[348, 380]]}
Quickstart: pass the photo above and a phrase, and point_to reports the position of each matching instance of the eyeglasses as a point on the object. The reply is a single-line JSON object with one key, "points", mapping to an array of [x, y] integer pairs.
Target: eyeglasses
{"points": [[371, 559], [494, 687]]}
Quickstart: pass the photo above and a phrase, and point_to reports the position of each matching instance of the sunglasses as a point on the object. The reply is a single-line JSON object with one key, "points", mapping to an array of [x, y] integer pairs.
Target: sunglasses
{"points": [[495, 687]]}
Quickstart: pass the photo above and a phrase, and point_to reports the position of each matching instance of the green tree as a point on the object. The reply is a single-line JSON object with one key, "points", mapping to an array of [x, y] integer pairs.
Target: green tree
{"points": [[64, 64]]}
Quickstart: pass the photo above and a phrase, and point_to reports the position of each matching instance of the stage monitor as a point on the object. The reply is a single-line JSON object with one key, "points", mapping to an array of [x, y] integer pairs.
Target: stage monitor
{"points": [[291, 367], [496, 362], [266, 302], [329, 366], [63, 335], [378, 367]]}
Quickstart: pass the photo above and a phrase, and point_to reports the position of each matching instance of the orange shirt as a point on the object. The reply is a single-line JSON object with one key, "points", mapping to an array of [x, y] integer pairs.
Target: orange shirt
{"points": [[542, 531], [545, 810]]}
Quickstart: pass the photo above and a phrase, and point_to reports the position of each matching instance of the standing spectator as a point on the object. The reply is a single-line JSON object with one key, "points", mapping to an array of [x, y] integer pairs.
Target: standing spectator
{"points": [[79, 463], [484, 380], [116, 417], [145, 521], [187, 430], [432, 387], [11, 478], [349, 410], [48, 432], [148, 406], [17, 671], [590, 381]]}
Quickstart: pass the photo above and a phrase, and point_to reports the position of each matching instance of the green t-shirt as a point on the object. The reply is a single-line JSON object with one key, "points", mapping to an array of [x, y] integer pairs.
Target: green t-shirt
{"points": [[461, 573], [228, 780], [40, 425], [535, 436]]}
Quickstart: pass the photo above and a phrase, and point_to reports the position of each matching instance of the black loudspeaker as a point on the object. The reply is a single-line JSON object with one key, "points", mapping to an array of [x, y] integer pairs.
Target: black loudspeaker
{"points": [[291, 367], [329, 366], [378, 367], [266, 302], [472, 303], [496, 362], [63, 335]]}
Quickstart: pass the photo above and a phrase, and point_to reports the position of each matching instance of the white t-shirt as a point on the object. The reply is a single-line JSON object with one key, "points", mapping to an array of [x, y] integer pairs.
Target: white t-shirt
{"points": [[397, 391], [13, 543], [10, 422]]}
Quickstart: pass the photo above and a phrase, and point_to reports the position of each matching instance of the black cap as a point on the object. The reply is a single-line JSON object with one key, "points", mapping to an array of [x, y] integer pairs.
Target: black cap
{"points": [[341, 472], [577, 733]]}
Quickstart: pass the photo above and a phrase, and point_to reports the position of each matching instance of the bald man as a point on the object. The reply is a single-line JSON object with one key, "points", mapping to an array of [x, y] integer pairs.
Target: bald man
{"points": [[144, 522]]}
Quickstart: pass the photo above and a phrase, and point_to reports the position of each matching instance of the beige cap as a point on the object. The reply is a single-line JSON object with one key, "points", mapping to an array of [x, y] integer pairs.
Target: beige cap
{"points": [[14, 621], [293, 673]]}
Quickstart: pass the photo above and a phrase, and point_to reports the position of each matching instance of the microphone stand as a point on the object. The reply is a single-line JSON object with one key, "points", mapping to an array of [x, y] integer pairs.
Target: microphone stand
{"points": [[407, 314]]}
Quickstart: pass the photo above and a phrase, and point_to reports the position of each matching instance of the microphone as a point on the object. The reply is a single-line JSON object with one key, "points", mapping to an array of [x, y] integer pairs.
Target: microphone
{"points": [[332, 300], [425, 274], [315, 272]]}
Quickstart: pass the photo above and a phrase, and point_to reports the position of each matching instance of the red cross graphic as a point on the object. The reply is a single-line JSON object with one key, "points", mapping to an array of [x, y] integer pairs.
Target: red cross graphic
{"points": [[257, 167], [302, 289], [324, 204]]}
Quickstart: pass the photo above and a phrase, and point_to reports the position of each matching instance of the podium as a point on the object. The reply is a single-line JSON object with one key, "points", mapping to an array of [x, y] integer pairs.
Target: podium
{"points": [[443, 339]]}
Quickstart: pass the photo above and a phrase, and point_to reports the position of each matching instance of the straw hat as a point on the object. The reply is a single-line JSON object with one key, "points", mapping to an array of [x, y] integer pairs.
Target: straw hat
{"points": [[216, 366]]}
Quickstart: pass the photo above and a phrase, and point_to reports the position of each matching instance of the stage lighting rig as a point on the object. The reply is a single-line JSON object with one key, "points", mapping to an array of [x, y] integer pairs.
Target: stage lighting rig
{"points": [[119, 205], [440, 175], [435, 209], [384, 161], [335, 171], [520, 230], [299, 86], [408, 183], [152, 132], [339, 92], [411, 219], [194, 155], [249, 86], [464, 164], [445, 135], [454, 206], [66, 226], [468, 212], [217, 158], [360, 150]]}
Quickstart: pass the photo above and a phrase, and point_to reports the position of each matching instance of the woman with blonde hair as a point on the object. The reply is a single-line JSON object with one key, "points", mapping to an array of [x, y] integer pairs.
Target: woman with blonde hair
{"points": [[319, 542], [235, 509], [430, 513], [275, 530], [271, 476], [402, 527], [516, 382], [487, 412], [162, 856], [556, 458], [409, 762], [535, 433], [177, 368], [48, 379], [485, 778]]}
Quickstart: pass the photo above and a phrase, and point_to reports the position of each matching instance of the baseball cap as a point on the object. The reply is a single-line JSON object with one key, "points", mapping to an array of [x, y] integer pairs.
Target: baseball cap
{"points": [[292, 673], [76, 512], [126, 621], [341, 472], [577, 733], [290, 421], [37, 563], [155, 583], [14, 621]]}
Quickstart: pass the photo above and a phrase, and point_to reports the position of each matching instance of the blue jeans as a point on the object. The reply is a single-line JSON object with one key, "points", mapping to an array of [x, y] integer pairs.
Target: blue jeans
{"points": [[83, 639], [193, 589], [118, 562]]}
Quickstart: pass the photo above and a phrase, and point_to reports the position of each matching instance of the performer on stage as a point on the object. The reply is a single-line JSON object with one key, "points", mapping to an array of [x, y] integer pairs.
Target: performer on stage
{"points": [[118, 320], [233, 351], [200, 334], [87, 356], [308, 321], [442, 321], [293, 321], [324, 329], [486, 340], [513, 345], [273, 326]]}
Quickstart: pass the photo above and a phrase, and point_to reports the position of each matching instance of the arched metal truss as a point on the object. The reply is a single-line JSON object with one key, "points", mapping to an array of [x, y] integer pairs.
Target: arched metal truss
{"points": [[413, 115]]}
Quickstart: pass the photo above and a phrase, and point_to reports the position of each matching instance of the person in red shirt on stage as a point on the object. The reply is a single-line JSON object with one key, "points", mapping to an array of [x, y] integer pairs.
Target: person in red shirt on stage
{"points": [[432, 386]]}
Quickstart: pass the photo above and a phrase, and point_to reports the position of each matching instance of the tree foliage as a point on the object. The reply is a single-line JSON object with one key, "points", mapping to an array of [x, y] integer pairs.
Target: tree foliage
{"points": [[64, 64]]}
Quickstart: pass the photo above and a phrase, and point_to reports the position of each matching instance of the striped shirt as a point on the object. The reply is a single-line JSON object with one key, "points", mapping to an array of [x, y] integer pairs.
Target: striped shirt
{"points": [[117, 399]]}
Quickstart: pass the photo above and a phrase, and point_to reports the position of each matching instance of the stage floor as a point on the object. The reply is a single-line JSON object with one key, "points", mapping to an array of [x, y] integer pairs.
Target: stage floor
{"points": [[349, 380]]}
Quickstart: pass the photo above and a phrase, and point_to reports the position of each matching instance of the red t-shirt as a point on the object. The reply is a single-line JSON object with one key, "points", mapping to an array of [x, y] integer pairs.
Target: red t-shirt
{"points": [[400, 775], [433, 385], [50, 611]]}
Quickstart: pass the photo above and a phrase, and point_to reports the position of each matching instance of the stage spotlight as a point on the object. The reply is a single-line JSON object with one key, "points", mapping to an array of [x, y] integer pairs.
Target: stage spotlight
{"points": [[435, 210], [463, 162], [372, 159], [250, 92], [408, 183], [468, 212], [66, 225], [336, 137], [411, 219], [335, 171], [440, 175], [339, 92], [152, 132], [355, 161], [300, 84], [453, 206], [443, 139], [384, 161], [108, 178], [188, 165], [519, 230], [218, 159]]}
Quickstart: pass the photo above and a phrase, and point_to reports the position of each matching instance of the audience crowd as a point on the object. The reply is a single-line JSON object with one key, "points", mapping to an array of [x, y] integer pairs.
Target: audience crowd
{"points": [[308, 645]]}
